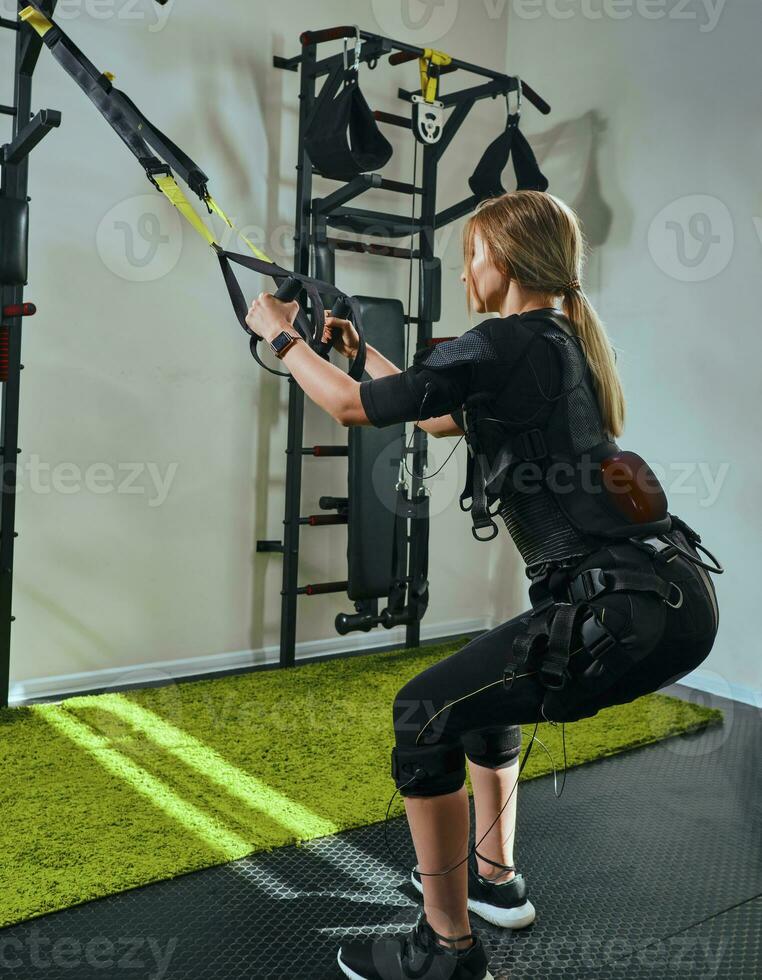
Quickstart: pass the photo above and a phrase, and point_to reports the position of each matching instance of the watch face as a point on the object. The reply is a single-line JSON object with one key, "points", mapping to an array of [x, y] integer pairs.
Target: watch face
{"points": [[281, 341]]}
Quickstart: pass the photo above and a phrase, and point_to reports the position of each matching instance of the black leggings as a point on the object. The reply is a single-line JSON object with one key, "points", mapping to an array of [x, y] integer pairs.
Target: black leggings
{"points": [[460, 708]]}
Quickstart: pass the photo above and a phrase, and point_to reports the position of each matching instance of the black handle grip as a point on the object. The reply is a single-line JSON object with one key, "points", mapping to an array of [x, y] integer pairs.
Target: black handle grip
{"points": [[342, 310], [289, 289]]}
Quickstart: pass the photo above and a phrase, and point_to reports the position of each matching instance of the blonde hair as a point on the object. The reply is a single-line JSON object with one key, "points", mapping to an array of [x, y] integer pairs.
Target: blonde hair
{"points": [[536, 239]]}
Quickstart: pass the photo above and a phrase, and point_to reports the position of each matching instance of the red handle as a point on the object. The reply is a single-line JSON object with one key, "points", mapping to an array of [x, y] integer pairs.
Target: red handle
{"points": [[331, 34], [22, 309], [402, 57]]}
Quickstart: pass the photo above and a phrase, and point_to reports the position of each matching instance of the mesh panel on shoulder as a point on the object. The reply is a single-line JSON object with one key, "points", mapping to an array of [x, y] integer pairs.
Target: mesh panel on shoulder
{"points": [[472, 346], [583, 413]]}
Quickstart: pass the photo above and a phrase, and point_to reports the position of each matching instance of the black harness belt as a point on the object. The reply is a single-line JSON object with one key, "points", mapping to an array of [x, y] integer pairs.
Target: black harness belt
{"points": [[161, 158], [551, 628]]}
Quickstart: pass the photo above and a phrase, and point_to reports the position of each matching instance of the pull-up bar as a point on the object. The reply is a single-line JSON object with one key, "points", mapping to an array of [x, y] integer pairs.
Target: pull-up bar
{"points": [[401, 53]]}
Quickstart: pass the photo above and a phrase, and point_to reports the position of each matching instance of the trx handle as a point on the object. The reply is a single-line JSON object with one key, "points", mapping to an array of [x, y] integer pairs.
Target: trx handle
{"points": [[342, 310], [288, 282], [288, 290]]}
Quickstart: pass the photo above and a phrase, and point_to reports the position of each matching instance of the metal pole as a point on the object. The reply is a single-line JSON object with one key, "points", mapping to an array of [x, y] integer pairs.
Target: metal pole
{"points": [[14, 185], [418, 535], [289, 594]]}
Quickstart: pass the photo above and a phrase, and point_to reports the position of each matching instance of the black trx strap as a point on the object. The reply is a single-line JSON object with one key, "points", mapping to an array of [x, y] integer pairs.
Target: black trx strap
{"points": [[486, 180], [159, 157]]}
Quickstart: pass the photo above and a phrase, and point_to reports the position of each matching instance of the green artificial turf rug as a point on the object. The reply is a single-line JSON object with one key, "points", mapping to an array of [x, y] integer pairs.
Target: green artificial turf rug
{"points": [[108, 792]]}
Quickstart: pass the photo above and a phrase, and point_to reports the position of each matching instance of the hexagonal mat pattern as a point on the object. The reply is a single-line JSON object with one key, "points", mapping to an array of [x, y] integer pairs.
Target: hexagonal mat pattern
{"points": [[648, 867]]}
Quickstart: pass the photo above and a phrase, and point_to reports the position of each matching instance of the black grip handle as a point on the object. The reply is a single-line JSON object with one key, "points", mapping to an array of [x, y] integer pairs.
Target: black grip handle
{"points": [[341, 309], [289, 289]]}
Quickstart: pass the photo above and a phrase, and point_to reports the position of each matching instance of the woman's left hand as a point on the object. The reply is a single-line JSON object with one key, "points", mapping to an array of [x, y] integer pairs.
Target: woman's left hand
{"points": [[268, 316]]}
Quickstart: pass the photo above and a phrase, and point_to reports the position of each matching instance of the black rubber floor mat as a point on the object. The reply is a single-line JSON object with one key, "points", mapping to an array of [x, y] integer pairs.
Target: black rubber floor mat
{"points": [[649, 867]]}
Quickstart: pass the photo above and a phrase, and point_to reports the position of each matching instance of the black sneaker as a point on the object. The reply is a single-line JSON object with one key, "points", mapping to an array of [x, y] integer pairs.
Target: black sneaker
{"points": [[415, 954], [504, 905]]}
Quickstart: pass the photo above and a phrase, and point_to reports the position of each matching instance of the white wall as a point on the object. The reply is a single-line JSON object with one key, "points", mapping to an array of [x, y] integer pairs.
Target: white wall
{"points": [[647, 114], [675, 103], [135, 363]]}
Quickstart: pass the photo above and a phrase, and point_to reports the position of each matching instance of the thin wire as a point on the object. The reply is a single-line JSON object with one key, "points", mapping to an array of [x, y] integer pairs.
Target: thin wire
{"points": [[472, 850]]}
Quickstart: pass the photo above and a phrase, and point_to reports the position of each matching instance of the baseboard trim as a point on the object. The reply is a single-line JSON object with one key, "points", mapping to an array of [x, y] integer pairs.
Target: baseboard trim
{"points": [[167, 671], [710, 682]]}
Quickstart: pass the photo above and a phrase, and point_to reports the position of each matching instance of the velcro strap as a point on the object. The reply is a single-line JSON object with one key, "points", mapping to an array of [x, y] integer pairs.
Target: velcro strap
{"points": [[524, 644], [553, 669], [594, 581]]}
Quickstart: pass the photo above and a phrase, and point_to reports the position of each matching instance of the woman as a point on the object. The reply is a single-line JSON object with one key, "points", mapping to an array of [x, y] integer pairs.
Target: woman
{"points": [[617, 612]]}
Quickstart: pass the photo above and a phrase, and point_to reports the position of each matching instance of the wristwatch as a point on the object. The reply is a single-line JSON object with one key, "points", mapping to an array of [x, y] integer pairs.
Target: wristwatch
{"points": [[283, 342]]}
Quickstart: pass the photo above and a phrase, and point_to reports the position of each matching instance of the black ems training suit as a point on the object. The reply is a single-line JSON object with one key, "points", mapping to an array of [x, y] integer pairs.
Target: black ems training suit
{"points": [[619, 605]]}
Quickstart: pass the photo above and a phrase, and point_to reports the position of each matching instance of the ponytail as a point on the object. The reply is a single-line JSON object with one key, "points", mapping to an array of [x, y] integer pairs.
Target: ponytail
{"points": [[600, 356], [536, 239]]}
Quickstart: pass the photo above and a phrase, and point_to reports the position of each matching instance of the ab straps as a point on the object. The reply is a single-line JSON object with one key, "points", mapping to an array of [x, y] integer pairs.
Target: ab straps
{"points": [[486, 180], [160, 157]]}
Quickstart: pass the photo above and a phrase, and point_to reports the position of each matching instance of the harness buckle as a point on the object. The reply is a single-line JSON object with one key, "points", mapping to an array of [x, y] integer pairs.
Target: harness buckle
{"points": [[532, 444], [595, 637], [588, 584], [664, 549], [160, 170], [554, 674]]}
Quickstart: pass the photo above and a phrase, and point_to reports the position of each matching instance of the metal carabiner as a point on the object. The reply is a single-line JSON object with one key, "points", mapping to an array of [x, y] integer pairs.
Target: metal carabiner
{"points": [[359, 41], [518, 91]]}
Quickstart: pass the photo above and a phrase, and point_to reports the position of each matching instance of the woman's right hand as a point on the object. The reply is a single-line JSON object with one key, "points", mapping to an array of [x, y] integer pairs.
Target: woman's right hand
{"points": [[342, 334]]}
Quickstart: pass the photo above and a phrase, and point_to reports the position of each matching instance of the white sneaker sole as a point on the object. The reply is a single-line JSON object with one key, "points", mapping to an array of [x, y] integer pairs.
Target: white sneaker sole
{"points": [[515, 918], [356, 976]]}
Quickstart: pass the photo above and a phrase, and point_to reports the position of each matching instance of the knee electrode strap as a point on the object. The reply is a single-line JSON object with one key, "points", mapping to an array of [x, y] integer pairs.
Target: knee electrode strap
{"points": [[493, 747], [413, 764]]}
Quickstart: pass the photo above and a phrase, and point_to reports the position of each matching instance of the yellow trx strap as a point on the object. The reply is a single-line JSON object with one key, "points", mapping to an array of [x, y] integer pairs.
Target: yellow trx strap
{"points": [[430, 83], [166, 183], [36, 20], [257, 252], [174, 194]]}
